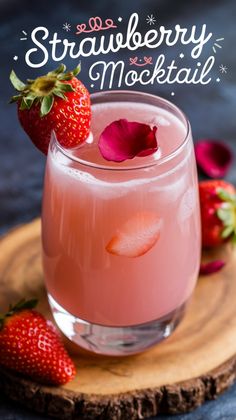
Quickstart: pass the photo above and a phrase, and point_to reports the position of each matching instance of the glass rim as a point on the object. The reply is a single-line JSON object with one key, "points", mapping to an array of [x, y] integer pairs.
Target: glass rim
{"points": [[158, 162]]}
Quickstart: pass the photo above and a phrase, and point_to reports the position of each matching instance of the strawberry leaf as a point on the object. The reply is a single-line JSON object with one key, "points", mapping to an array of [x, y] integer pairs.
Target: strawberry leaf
{"points": [[19, 306], [15, 98], [44, 88], [46, 105], [17, 83], [226, 196], [65, 87], [27, 304], [2, 318], [225, 215], [77, 70], [31, 95], [228, 217], [22, 304], [60, 69], [65, 77], [227, 232], [58, 93], [24, 104], [28, 102]]}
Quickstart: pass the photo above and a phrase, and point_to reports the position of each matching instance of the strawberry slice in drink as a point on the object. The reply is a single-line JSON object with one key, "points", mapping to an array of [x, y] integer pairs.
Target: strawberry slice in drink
{"points": [[136, 236]]}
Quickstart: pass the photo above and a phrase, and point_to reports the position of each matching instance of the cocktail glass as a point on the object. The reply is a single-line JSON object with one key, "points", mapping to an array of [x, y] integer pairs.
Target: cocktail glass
{"points": [[125, 302]]}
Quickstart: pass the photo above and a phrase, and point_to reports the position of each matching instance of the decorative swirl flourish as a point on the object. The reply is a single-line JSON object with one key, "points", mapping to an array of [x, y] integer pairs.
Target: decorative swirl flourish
{"points": [[146, 60], [95, 24]]}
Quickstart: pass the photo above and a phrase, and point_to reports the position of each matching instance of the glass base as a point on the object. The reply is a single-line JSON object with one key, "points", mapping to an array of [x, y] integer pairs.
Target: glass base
{"points": [[115, 341]]}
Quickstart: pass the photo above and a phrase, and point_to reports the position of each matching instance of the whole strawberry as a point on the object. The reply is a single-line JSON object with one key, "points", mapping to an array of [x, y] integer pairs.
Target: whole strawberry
{"points": [[57, 101], [30, 345], [218, 212]]}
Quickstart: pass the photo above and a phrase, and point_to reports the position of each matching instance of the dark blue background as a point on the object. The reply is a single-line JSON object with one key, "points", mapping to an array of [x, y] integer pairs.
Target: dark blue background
{"points": [[210, 108]]}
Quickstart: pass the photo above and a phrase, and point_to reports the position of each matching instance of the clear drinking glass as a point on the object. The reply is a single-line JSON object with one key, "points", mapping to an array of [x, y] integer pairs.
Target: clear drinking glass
{"points": [[122, 302]]}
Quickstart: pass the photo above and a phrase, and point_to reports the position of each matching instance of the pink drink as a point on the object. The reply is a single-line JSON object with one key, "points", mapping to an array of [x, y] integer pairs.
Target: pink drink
{"points": [[88, 201]]}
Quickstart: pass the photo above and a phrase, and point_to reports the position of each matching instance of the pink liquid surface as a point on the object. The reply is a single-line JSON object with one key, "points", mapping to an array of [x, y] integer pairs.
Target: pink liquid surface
{"points": [[84, 206]]}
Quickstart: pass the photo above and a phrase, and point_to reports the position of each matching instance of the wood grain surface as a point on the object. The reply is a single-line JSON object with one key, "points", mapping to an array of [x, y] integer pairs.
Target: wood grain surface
{"points": [[196, 363]]}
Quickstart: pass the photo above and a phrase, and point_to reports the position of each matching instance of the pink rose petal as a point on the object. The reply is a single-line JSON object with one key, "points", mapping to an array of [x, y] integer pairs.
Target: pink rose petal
{"points": [[123, 140], [211, 267], [213, 157]]}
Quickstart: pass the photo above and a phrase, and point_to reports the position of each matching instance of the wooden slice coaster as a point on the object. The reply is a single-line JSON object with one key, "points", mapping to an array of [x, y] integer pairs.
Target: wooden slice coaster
{"points": [[196, 363]]}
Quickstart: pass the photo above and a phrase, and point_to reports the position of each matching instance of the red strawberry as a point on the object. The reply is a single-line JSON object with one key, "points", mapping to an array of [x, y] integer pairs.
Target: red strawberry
{"points": [[137, 236], [57, 101], [29, 344], [218, 212]]}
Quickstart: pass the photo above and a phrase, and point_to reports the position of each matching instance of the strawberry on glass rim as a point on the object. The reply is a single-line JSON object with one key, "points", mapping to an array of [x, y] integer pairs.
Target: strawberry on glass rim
{"points": [[56, 102]]}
